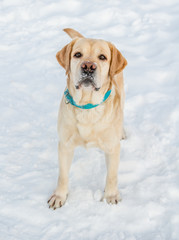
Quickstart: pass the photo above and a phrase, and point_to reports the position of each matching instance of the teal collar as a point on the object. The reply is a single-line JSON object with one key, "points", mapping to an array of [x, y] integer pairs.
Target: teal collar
{"points": [[69, 99]]}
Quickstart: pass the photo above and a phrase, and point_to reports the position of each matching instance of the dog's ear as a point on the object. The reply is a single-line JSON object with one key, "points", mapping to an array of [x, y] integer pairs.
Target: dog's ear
{"points": [[118, 62], [72, 33], [64, 56]]}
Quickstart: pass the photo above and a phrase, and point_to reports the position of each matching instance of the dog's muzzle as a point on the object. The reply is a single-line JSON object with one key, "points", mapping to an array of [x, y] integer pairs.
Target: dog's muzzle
{"points": [[87, 75]]}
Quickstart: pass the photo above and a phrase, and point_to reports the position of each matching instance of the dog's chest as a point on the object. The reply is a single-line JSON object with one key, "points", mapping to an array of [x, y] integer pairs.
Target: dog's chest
{"points": [[88, 124]]}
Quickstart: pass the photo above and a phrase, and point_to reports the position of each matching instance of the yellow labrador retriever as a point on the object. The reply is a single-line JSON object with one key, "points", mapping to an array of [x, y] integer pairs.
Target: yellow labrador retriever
{"points": [[91, 111]]}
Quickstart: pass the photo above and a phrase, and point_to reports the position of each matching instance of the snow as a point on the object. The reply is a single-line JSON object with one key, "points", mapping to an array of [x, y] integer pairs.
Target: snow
{"points": [[32, 84]]}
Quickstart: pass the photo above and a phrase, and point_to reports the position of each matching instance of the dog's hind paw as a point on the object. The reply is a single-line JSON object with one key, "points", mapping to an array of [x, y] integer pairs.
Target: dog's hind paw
{"points": [[124, 136]]}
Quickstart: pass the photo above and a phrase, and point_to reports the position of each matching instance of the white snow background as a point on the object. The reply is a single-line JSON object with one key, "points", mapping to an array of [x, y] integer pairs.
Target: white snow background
{"points": [[31, 86]]}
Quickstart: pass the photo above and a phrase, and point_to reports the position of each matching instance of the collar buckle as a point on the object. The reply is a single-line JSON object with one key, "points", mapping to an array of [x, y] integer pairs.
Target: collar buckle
{"points": [[67, 101]]}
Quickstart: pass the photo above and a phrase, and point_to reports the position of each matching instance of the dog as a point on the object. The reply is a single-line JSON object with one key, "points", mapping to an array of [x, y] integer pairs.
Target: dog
{"points": [[91, 110]]}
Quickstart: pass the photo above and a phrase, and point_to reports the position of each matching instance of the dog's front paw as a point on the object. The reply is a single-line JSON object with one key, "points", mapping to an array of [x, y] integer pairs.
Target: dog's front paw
{"points": [[56, 201], [113, 199]]}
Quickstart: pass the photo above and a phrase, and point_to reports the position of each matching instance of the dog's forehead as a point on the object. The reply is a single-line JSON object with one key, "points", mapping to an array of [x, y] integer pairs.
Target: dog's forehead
{"points": [[89, 44]]}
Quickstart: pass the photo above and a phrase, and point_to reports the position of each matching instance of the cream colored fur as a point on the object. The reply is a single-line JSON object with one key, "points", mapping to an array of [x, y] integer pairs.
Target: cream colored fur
{"points": [[100, 127]]}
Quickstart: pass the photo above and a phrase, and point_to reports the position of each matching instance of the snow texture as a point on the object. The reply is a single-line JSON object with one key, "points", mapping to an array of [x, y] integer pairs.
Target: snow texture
{"points": [[31, 86]]}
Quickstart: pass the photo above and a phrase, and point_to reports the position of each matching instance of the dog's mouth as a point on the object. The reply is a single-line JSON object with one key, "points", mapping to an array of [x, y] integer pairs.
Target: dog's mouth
{"points": [[87, 81]]}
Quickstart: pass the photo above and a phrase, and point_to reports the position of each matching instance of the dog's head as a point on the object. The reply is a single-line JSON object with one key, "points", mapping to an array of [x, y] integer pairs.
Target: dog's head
{"points": [[90, 63]]}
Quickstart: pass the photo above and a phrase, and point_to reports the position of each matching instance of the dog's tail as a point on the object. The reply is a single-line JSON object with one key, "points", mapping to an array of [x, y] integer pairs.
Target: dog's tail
{"points": [[72, 33]]}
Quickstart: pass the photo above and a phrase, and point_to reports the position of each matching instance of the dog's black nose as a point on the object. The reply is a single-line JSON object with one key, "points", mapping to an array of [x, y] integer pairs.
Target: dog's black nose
{"points": [[88, 67]]}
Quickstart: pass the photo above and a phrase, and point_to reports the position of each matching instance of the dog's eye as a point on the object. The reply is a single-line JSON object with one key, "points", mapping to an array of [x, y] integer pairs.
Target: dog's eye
{"points": [[78, 55], [102, 57]]}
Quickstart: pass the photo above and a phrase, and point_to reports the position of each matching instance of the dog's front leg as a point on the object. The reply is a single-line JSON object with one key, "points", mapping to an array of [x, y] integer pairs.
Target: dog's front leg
{"points": [[111, 190], [59, 197]]}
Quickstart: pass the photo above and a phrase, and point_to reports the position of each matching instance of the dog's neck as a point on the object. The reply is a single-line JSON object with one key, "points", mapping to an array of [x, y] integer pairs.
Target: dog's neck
{"points": [[84, 96]]}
